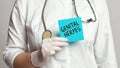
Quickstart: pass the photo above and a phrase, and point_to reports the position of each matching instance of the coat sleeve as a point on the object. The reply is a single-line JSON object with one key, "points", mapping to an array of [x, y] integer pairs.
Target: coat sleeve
{"points": [[16, 41], [104, 46]]}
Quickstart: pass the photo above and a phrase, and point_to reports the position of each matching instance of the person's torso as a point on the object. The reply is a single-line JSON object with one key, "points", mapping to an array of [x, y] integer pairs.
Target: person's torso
{"points": [[79, 54]]}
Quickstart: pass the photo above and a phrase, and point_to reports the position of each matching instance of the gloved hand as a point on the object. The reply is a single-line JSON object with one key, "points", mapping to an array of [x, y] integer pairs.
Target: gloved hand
{"points": [[48, 48]]}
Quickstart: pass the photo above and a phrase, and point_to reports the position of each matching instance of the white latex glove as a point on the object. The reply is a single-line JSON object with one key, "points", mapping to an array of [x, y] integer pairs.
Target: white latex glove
{"points": [[48, 48]]}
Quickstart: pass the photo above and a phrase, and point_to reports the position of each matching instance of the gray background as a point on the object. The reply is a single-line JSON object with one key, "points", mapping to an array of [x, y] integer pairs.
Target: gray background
{"points": [[6, 6]]}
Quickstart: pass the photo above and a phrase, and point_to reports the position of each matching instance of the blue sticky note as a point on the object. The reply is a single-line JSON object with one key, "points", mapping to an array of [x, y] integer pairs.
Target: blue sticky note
{"points": [[71, 29]]}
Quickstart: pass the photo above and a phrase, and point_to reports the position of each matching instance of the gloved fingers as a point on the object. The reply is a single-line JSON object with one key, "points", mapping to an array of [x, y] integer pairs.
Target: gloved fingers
{"points": [[60, 44], [51, 45], [47, 52], [46, 41], [51, 48], [55, 48], [52, 52], [59, 39]]}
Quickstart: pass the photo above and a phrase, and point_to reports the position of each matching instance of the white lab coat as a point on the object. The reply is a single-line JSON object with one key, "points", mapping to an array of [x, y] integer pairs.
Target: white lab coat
{"points": [[26, 28]]}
